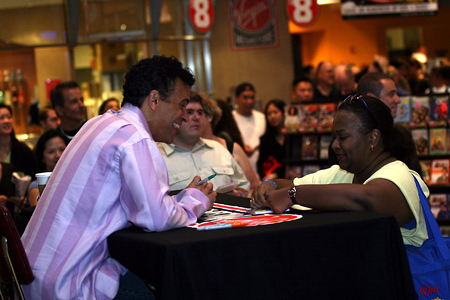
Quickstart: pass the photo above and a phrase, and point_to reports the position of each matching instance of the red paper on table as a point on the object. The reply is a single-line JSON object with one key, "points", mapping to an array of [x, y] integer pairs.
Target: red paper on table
{"points": [[256, 220]]}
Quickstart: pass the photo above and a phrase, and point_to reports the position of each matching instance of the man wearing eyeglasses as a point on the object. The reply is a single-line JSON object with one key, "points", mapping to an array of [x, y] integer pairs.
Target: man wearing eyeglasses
{"points": [[381, 86]]}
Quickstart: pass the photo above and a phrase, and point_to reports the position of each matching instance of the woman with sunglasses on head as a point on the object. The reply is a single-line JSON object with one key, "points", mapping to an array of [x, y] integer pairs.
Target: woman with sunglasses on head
{"points": [[371, 175]]}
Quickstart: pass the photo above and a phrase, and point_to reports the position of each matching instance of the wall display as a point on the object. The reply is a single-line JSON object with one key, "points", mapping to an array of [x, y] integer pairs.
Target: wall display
{"points": [[438, 139], [439, 171], [404, 110], [252, 24], [351, 9]]}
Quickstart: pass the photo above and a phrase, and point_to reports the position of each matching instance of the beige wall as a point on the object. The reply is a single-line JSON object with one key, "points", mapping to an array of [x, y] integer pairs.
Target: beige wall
{"points": [[270, 70], [51, 63]]}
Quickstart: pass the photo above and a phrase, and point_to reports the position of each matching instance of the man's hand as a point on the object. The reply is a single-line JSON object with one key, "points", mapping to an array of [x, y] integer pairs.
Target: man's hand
{"points": [[206, 188]]}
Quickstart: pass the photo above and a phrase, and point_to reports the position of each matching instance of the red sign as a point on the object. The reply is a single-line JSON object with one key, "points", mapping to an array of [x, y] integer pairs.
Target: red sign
{"points": [[201, 15], [50, 84], [302, 13], [252, 24]]}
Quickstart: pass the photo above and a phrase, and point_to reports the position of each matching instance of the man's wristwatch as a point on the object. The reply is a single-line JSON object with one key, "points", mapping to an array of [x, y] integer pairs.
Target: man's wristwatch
{"points": [[292, 192]]}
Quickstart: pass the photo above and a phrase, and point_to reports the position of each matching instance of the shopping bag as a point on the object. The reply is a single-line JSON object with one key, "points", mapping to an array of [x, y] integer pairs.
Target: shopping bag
{"points": [[430, 263]]}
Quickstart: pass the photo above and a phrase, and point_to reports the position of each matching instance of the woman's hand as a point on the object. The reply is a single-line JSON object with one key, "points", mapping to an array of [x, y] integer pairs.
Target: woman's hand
{"points": [[260, 193]]}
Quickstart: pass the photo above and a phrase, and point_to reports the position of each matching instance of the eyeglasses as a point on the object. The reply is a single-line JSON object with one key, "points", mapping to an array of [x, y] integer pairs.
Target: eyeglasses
{"points": [[352, 99]]}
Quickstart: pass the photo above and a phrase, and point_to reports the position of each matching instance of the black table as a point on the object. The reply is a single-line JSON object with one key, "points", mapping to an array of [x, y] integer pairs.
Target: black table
{"points": [[324, 255]]}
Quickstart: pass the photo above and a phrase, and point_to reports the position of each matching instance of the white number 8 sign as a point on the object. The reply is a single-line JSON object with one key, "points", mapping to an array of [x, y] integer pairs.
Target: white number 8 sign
{"points": [[201, 14], [302, 12]]}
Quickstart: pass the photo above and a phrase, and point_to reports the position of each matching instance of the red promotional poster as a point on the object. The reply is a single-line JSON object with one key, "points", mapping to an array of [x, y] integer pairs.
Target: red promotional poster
{"points": [[252, 24]]}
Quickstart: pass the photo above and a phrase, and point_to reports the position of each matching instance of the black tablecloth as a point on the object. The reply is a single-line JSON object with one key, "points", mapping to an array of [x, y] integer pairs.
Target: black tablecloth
{"points": [[334, 255]]}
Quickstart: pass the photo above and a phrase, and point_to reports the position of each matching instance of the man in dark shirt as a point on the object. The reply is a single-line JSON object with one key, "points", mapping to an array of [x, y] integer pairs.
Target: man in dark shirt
{"points": [[68, 102]]}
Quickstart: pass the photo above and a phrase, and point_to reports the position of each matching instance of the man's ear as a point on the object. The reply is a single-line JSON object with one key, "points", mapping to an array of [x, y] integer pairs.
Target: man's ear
{"points": [[371, 94], [153, 99], [209, 118]]}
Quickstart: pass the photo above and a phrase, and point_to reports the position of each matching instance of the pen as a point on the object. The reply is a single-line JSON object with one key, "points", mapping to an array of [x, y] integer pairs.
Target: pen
{"points": [[221, 226], [206, 179]]}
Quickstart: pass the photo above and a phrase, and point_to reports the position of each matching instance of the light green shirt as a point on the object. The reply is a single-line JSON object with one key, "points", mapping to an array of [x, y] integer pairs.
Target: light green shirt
{"points": [[396, 172], [206, 158]]}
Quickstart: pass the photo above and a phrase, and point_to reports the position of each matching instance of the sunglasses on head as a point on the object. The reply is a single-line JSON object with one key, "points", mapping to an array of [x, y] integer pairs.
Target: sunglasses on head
{"points": [[353, 98]]}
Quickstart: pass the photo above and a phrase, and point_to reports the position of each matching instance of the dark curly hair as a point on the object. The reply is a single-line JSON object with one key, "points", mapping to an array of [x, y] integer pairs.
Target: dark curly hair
{"points": [[157, 73], [40, 146]]}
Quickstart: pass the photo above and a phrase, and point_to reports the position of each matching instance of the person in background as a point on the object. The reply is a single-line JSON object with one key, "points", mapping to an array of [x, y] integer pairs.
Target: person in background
{"points": [[326, 90], [110, 103], [345, 80], [309, 72], [437, 81], [68, 102], [213, 114], [48, 118], [48, 150], [251, 123], [190, 155], [226, 126], [15, 156], [272, 153], [11, 150], [302, 91], [401, 83], [368, 177], [111, 177], [381, 86]]}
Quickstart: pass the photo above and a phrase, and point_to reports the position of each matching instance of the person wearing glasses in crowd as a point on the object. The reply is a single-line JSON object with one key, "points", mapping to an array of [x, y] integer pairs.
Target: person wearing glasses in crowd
{"points": [[371, 175]]}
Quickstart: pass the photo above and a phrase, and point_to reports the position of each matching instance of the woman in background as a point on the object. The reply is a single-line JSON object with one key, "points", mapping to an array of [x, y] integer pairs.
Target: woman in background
{"points": [[11, 150], [226, 127], [49, 149], [111, 103], [272, 150]]}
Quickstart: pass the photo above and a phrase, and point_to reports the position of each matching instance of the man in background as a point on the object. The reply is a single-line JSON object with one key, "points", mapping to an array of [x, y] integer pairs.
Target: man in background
{"points": [[191, 155], [251, 123], [302, 91], [345, 80], [110, 177], [325, 90], [381, 86], [48, 118], [68, 102]]}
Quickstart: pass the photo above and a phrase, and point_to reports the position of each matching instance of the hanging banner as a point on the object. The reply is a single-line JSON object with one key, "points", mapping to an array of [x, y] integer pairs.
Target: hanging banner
{"points": [[351, 9], [201, 15], [302, 13], [252, 24]]}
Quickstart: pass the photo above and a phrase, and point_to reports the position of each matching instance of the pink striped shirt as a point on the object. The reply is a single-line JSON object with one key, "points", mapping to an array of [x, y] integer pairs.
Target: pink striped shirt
{"points": [[110, 176]]}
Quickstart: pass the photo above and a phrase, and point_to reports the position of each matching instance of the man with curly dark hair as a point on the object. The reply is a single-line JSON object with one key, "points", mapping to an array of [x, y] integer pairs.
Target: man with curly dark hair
{"points": [[110, 177]]}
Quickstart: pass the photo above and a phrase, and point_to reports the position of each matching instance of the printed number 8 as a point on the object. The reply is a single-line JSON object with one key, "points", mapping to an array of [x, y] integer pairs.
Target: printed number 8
{"points": [[302, 12], [201, 13]]}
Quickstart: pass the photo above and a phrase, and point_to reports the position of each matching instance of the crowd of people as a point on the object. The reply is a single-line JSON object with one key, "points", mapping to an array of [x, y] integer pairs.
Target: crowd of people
{"points": [[118, 168]]}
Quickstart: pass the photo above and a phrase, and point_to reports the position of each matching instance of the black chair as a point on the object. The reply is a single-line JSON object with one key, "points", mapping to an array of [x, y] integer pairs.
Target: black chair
{"points": [[14, 265]]}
